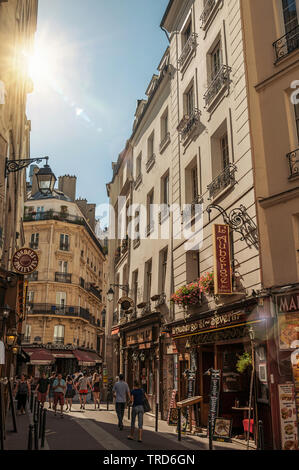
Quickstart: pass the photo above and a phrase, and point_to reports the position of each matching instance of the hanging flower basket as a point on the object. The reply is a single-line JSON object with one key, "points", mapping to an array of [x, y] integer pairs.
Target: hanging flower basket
{"points": [[206, 283], [187, 296]]}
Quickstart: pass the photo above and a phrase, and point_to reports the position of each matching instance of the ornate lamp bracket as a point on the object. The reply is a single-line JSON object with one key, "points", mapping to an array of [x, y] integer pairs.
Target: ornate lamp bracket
{"points": [[239, 221]]}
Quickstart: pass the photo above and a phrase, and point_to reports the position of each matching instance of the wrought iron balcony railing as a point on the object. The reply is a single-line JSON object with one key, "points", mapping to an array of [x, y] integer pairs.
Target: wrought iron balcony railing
{"points": [[286, 44], [220, 82], [58, 340], [189, 47], [209, 8], [222, 181], [53, 309], [95, 292], [150, 162], [32, 277], [164, 142], [63, 277], [138, 181], [293, 158], [189, 123]]}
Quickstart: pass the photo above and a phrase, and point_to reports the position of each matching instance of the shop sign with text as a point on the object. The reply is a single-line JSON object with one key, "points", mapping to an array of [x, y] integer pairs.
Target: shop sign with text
{"points": [[25, 261], [287, 307], [222, 260]]}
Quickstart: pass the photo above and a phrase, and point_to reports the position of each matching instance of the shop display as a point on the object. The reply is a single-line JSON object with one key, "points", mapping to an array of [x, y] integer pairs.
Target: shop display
{"points": [[288, 330], [288, 416], [295, 364]]}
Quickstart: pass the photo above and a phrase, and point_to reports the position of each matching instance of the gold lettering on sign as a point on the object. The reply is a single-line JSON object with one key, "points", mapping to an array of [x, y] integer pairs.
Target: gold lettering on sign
{"points": [[222, 262]]}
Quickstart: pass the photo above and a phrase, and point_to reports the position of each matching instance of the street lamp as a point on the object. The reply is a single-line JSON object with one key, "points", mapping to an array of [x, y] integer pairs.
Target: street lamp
{"points": [[45, 180], [11, 337], [110, 293]]}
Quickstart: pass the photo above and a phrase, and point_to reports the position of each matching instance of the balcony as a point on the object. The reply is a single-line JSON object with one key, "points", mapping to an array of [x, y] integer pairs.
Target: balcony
{"points": [[164, 142], [97, 293], [208, 13], [58, 340], [32, 277], [286, 44], [33, 245], [189, 47], [63, 277], [65, 310], [293, 158], [138, 181], [219, 84], [150, 163], [224, 180], [189, 123], [136, 242]]}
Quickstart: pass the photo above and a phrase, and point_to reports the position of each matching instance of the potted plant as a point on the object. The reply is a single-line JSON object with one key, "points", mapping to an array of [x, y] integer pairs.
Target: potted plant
{"points": [[244, 362], [188, 295], [206, 283]]}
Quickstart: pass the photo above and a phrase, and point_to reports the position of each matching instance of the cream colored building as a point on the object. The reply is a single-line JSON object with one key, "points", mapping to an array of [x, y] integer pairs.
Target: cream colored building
{"points": [[64, 302]]}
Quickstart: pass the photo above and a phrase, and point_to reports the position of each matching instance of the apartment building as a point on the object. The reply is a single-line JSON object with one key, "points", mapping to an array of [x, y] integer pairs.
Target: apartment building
{"points": [[273, 72], [65, 320]]}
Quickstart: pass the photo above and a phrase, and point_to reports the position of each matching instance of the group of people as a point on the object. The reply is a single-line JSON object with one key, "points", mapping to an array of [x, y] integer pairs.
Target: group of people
{"points": [[59, 390]]}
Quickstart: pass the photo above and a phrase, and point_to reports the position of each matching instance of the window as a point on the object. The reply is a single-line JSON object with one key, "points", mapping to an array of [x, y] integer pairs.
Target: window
{"points": [[148, 280], [138, 165], [192, 266], [289, 14], [194, 184], [164, 126], [135, 286], [59, 334], [165, 190], [150, 210], [63, 267], [30, 297], [150, 147], [163, 267], [27, 333], [39, 212], [61, 299], [215, 61], [64, 242], [34, 241], [189, 101], [224, 150], [186, 33]]}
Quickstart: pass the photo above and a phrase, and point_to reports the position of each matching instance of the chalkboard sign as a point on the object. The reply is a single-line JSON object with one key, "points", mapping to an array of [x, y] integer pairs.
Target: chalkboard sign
{"points": [[214, 399]]}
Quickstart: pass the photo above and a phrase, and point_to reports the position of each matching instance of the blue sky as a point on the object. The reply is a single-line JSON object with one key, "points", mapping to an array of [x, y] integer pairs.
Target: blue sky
{"points": [[93, 60]]}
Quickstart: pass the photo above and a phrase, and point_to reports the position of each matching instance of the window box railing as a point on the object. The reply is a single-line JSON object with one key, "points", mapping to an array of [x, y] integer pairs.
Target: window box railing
{"points": [[150, 163], [63, 277], [208, 11], [95, 292], [138, 181], [286, 44], [219, 83], [225, 179], [164, 142], [26, 339], [188, 48], [293, 158], [54, 309], [58, 340], [189, 123]]}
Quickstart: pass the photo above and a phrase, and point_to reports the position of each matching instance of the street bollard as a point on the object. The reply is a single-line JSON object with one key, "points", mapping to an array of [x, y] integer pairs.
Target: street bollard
{"points": [[36, 436], [31, 402], [157, 417], [261, 442], [40, 421], [43, 428], [30, 437], [129, 411], [179, 425]]}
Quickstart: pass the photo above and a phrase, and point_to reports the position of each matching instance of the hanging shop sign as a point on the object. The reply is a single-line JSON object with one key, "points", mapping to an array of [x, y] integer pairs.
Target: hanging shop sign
{"points": [[22, 288], [126, 303], [25, 261], [287, 308], [288, 416], [222, 260]]}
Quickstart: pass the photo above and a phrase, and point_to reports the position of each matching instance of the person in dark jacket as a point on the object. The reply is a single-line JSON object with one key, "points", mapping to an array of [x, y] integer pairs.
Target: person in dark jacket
{"points": [[137, 397], [22, 392]]}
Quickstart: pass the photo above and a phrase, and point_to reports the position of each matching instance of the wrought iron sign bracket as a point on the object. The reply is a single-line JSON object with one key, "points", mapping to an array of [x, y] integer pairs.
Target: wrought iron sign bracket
{"points": [[239, 221], [12, 166]]}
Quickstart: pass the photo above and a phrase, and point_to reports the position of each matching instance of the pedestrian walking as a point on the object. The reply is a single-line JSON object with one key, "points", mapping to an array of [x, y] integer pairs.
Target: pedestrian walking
{"points": [[42, 389], [121, 392], [96, 390], [22, 392], [59, 386], [70, 393], [51, 391], [82, 387], [137, 398]]}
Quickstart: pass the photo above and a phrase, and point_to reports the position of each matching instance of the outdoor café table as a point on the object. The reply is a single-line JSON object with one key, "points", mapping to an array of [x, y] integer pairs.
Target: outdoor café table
{"points": [[245, 410], [188, 403]]}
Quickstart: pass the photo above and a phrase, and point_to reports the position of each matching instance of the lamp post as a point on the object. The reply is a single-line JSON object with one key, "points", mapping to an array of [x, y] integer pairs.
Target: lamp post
{"points": [[5, 315], [251, 335], [110, 293], [45, 180]]}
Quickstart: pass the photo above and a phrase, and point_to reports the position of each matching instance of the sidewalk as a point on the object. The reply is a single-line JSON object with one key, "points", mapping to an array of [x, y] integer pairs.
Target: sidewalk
{"points": [[97, 430]]}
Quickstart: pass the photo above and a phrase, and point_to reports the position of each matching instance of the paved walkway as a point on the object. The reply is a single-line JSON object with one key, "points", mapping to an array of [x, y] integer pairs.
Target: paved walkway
{"points": [[97, 430]]}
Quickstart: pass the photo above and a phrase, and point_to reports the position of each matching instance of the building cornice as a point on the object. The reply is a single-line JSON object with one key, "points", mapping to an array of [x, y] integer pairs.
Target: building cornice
{"points": [[279, 198]]}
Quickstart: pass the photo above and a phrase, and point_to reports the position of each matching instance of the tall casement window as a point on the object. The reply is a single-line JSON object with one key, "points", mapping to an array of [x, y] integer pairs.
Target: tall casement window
{"points": [[138, 165], [189, 101], [64, 242], [150, 146], [39, 213], [61, 299], [186, 33], [63, 267], [289, 15], [135, 286], [34, 241], [164, 125], [165, 189], [150, 211], [163, 269], [194, 183], [27, 333], [148, 280], [216, 61], [59, 334], [224, 150]]}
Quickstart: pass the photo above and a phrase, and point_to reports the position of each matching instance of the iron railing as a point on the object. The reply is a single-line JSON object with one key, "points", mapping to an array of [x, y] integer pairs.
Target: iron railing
{"points": [[63, 277], [188, 48], [222, 181], [209, 7], [164, 142], [54, 309], [286, 44], [32, 277], [136, 242], [95, 292], [58, 340], [150, 162], [188, 123], [293, 158], [220, 82]]}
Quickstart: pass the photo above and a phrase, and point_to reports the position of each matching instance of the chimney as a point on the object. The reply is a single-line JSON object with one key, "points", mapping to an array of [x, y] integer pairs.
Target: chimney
{"points": [[91, 215], [34, 187], [67, 184]]}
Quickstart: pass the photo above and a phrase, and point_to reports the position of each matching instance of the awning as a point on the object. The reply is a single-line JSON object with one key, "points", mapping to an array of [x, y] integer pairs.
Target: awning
{"points": [[63, 354], [86, 358], [40, 356], [115, 331]]}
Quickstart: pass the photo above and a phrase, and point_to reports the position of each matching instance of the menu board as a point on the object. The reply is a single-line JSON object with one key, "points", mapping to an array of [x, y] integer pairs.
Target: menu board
{"points": [[288, 416], [288, 330], [214, 398], [295, 363]]}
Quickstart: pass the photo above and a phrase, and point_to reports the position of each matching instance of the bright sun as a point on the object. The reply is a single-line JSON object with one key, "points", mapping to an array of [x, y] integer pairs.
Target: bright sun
{"points": [[42, 64]]}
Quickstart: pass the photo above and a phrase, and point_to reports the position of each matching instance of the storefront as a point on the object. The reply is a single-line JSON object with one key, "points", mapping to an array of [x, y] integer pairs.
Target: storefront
{"points": [[227, 342]]}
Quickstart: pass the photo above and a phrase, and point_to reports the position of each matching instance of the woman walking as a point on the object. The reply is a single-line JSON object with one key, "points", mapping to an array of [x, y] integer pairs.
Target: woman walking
{"points": [[70, 393], [22, 392], [137, 397], [96, 390], [82, 387]]}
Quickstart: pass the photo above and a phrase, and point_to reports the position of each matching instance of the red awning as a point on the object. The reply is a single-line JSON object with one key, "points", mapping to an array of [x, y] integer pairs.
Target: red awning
{"points": [[86, 358], [63, 354], [39, 356]]}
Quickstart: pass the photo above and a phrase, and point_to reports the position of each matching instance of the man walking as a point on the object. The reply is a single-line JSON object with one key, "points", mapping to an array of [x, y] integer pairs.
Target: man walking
{"points": [[122, 393], [59, 387], [42, 389]]}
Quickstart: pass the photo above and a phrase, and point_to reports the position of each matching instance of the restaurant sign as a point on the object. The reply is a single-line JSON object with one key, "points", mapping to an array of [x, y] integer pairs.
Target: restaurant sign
{"points": [[287, 308], [25, 261], [222, 260], [216, 321]]}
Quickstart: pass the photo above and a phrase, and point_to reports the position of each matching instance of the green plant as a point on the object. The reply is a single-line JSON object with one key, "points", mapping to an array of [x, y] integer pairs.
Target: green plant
{"points": [[187, 295], [243, 362]]}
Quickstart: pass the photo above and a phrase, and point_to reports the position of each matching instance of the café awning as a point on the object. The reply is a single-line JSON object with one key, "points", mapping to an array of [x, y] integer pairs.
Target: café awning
{"points": [[63, 354], [40, 356], [86, 358]]}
